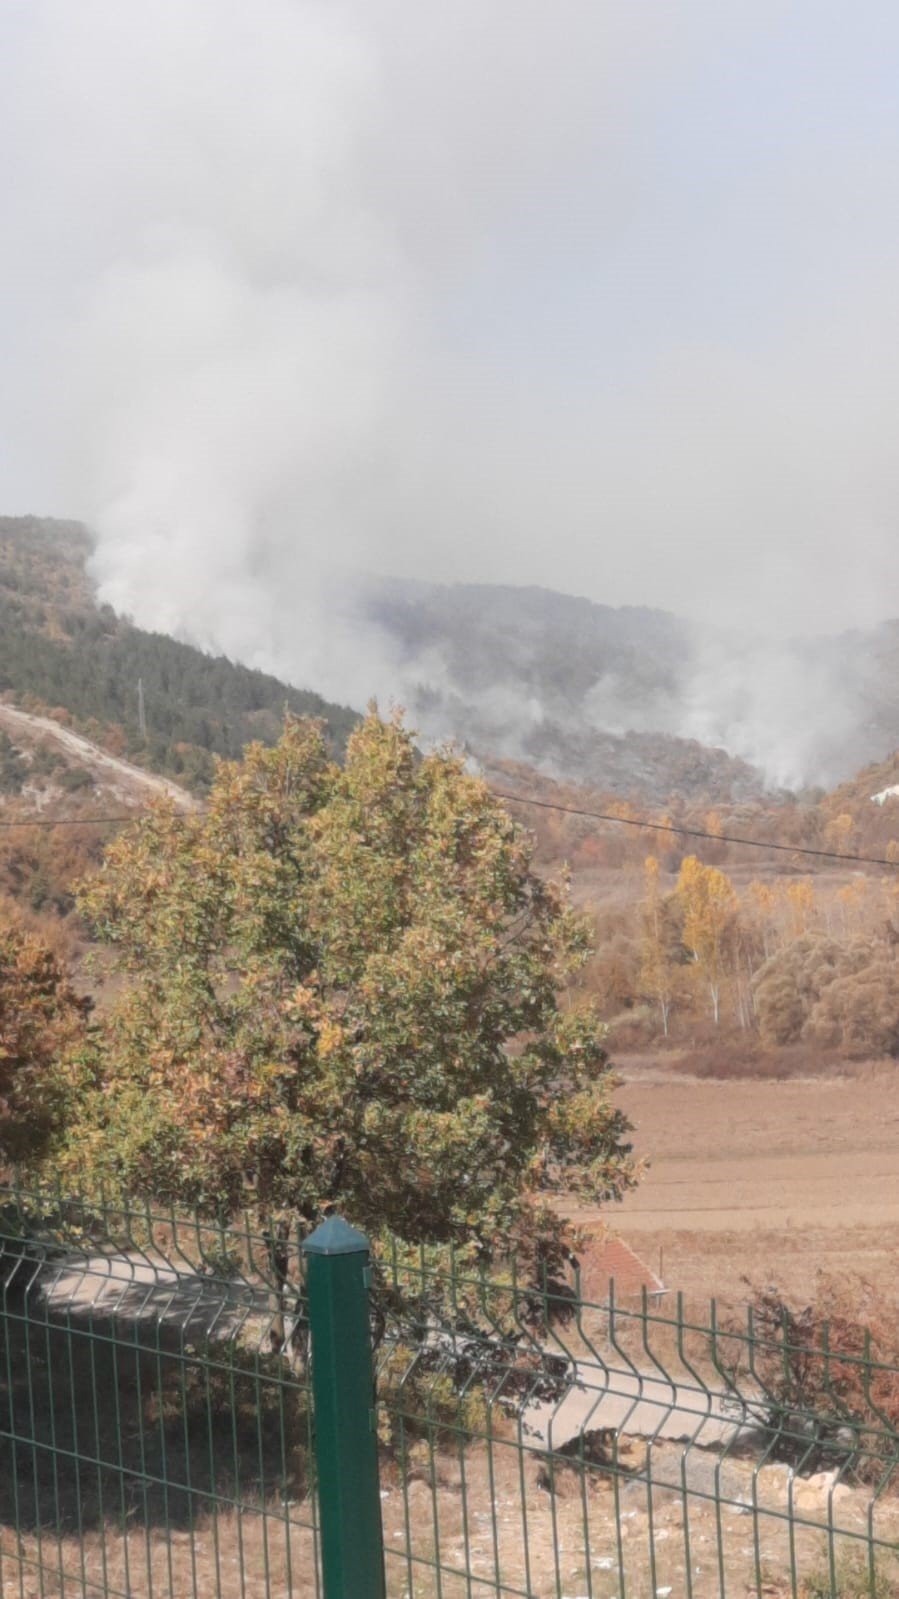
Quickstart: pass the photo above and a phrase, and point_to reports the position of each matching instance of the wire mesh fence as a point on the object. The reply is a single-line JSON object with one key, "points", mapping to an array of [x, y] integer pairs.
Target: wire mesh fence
{"points": [[537, 1444], [155, 1435], [157, 1429]]}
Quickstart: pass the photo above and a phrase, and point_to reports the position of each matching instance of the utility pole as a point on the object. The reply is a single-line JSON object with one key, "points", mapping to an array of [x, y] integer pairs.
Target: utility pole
{"points": [[141, 714]]}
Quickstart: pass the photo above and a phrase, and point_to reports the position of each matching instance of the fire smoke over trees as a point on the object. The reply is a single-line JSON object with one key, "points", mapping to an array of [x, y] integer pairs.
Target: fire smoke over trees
{"points": [[535, 296]]}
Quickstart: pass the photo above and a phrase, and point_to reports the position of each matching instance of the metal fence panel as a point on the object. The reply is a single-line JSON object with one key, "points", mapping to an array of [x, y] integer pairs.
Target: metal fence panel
{"points": [[155, 1443], [539, 1445], [156, 1428]]}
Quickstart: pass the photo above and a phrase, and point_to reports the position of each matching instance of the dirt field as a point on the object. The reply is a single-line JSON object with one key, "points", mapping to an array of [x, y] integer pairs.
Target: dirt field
{"points": [[495, 1530], [772, 1180]]}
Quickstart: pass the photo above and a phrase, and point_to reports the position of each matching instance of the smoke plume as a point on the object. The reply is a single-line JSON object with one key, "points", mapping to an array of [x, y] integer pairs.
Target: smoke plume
{"points": [[297, 291]]}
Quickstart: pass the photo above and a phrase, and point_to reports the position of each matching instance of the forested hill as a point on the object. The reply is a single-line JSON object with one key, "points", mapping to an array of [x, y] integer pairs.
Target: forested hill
{"points": [[60, 650]]}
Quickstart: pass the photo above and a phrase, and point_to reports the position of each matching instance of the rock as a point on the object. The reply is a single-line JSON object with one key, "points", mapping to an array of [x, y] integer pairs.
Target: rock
{"points": [[819, 1491]]}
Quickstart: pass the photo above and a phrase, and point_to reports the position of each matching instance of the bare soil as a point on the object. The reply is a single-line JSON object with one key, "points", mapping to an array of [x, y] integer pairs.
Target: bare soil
{"points": [[130, 782], [775, 1181], [493, 1528]]}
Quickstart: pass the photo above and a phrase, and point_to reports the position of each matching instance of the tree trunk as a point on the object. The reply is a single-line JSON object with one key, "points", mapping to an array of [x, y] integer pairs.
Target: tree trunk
{"points": [[276, 1244]]}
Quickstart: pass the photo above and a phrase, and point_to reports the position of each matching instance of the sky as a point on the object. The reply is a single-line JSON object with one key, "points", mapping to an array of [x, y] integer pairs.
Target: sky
{"points": [[600, 296]]}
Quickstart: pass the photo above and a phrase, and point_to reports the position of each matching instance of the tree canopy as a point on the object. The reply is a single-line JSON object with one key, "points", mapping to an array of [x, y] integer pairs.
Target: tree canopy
{"points": [[43, 1045], [709, 909], [347, 988]]}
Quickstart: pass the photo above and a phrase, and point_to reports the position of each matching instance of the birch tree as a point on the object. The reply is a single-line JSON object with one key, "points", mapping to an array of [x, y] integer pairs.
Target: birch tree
{"points": [[709, 905]]}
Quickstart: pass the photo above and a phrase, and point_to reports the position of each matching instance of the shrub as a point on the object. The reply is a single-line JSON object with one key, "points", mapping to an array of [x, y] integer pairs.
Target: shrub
{"points": [[823, 1378], [789, 985], [860, 1011]]}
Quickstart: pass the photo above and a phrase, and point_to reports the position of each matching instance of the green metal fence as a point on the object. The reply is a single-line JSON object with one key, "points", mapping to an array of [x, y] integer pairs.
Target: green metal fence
{"points": [[163, 1432]]}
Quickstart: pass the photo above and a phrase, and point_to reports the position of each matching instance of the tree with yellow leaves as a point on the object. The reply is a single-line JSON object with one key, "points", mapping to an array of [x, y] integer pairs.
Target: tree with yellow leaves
{"points": [[45, 1045], [709, 904], [839, 833], [853, 899], [761, 900], [800, 897], [659, 965]]}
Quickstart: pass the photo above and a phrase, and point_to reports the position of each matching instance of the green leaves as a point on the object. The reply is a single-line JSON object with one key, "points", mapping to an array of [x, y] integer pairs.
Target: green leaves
{"points": [[343, 991]]}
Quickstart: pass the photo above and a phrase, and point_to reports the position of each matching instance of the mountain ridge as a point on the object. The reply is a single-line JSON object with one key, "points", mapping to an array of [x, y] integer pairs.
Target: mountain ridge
{"points": [[61, 650], [527, 671], [629, 700]]}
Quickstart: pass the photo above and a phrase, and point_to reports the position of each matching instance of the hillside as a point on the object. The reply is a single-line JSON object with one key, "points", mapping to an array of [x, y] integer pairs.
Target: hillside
{"points": [[60, 651], [48, 772], [586, 693], [582, 693], [37, 746], [502, 649], [635, 700]]}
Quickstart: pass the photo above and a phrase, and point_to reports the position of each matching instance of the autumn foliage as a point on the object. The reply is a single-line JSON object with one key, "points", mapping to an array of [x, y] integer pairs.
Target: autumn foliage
{"points": [[824, 1375], [343, 989], [43, 1045]]}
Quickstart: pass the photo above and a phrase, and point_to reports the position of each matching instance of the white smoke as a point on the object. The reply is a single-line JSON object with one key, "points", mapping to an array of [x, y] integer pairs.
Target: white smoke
{"points": [[222, 301], [782, 705], [299, 288]]}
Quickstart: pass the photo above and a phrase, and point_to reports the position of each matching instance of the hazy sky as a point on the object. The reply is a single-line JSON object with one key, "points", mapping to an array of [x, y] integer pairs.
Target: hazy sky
{"points": [[600, 296]]}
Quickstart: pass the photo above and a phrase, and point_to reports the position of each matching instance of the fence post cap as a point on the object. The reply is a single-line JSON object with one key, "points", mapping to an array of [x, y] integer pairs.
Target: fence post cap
{"points": [[335, 1237]]}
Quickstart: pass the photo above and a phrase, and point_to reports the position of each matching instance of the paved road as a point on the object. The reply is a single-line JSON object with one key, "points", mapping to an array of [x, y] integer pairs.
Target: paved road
{"points": [[146, 1287], [639, 1403]]}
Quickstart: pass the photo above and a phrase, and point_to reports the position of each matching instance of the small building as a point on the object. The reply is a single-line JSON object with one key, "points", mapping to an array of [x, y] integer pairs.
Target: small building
{"points": [[610, 1259]]}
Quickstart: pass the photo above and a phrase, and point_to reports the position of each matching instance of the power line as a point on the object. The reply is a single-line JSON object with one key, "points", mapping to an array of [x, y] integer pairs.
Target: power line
{"points": [[694, 832], [87, 821], [641, 822]]}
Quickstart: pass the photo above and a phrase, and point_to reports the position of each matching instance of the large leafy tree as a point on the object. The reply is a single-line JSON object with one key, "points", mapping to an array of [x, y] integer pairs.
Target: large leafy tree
{"points": [[344, 988]]}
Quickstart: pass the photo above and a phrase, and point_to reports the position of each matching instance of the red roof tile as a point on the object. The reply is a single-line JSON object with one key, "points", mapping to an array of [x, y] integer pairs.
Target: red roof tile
{"points": [[611, 1259]]}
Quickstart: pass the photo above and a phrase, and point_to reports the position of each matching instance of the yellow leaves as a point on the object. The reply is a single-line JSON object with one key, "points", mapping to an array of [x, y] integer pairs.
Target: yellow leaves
{"points": [[305, 1001], [800, 896], [839, 832], [345, 989], [331, 1038], [43, 1029], [659, 965], [762, 898], [709, 904], [853, 898], [623, 810]]}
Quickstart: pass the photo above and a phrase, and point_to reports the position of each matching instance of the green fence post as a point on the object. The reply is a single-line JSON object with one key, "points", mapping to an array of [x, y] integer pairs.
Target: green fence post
{"points": [[346, 1445]]}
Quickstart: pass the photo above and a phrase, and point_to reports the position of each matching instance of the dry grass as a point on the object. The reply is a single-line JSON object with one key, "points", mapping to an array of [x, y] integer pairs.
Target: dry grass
{"points": [[483, 1513], [238, 1555], [746, 1059]]}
